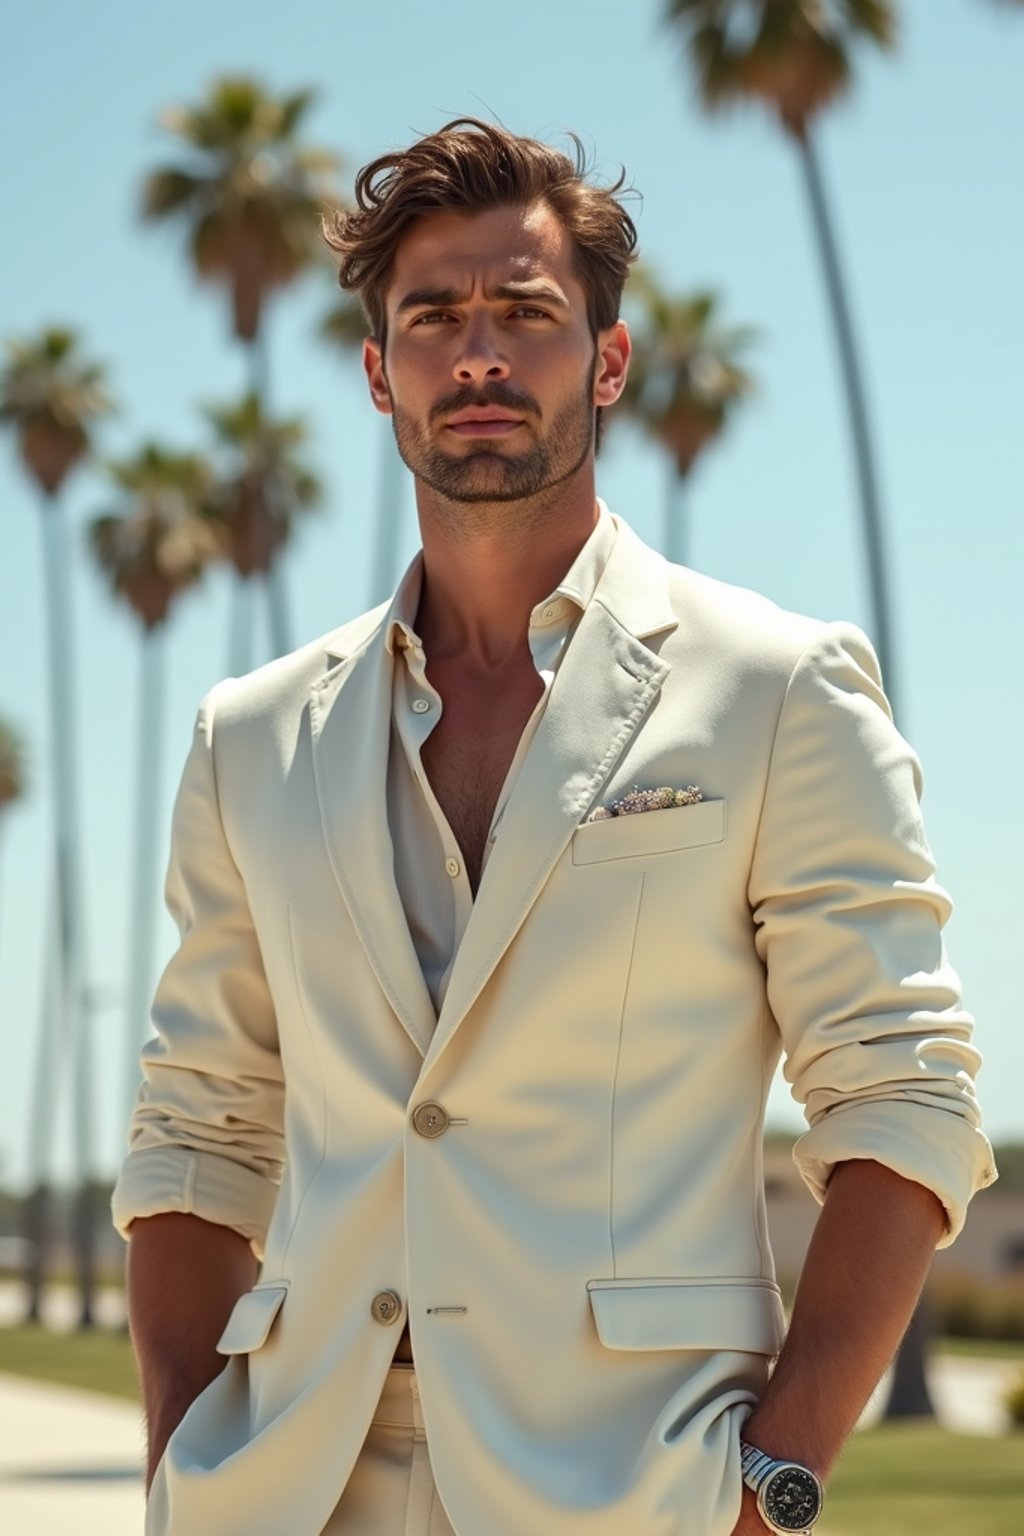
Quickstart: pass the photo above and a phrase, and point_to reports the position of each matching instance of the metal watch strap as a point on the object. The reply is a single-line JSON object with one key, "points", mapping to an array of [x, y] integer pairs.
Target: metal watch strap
{"points": [[757, 1465]]}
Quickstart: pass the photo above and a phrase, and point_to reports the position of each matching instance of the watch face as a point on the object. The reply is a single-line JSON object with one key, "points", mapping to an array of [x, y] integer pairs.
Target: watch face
{"points": [[791, 1499]]}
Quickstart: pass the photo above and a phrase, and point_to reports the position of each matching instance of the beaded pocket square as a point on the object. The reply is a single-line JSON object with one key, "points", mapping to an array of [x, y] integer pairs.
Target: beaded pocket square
{"points": [[639, 800]]}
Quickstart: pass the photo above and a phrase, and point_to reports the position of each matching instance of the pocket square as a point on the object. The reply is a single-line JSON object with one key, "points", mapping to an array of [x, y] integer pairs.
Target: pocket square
{"points": [[664, 799]]}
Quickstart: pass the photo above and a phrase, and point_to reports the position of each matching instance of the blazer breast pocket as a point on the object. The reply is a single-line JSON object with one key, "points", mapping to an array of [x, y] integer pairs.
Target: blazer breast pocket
{"points": [[646, 833]]}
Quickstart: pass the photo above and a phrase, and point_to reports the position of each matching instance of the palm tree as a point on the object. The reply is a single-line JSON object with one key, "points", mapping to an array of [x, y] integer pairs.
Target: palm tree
{"points": [[796, 57], [152, 548], [52, 396], [251, 196], [684, 379], [345, 327], [263, 487]]}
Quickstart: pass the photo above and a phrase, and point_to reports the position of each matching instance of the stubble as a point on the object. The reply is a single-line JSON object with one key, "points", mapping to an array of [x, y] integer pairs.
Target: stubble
{"points": [[491, 487]]}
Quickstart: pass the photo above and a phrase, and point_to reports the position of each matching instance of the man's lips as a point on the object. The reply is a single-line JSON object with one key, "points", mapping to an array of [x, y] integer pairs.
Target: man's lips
{"points": [[498, 426], [484, 421]]}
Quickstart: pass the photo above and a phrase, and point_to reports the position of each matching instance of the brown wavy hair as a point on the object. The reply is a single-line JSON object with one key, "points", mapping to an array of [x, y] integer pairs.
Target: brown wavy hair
{"points": [[469, 166]]}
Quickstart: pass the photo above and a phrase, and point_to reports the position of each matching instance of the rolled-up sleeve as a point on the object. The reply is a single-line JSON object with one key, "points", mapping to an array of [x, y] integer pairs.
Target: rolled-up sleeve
{"points": [[206, 1136], [849, 926]]}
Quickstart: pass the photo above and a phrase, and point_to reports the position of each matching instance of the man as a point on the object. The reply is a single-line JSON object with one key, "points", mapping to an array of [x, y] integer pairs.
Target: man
{"points": [[497, 908]]}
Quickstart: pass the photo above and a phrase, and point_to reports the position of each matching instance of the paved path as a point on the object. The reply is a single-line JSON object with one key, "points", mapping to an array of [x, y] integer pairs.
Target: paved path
{"points": [[70, 1460]]}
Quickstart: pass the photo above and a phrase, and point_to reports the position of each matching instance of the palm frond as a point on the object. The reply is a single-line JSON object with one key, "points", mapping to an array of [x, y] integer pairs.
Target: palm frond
{"points": [[795, 55], [170, 190], [345, 324], [249, 193], [158, 540]]}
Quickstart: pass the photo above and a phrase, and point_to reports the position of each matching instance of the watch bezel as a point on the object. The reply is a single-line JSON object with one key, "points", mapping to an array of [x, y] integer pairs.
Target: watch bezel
{"points": [[788, 1467]]}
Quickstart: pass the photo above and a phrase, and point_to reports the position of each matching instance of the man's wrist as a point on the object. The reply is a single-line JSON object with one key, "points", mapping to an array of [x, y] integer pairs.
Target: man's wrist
{"points": [[789, 1496], [775, 1429]]}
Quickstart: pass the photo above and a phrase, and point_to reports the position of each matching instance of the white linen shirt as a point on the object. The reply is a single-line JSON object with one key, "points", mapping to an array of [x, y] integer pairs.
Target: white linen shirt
{"points": [[430, 872]]}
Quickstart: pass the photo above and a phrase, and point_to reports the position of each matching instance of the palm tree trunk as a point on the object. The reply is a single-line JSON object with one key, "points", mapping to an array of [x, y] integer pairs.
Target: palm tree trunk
{"points": [[144, 878], [277, 596], [240, 631], [390, 488], [871, 509], [910, 1386], [70, 957], [675, 535], [909, 1395], [48, 1080]]}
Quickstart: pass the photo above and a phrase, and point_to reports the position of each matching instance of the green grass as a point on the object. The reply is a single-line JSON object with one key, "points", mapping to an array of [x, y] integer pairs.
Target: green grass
{"points": [[101, 1360], [908, 1478]]}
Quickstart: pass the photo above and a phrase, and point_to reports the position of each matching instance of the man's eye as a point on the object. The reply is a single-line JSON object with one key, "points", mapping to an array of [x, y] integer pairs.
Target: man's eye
{"points": [[531, 312], [430, 316]]}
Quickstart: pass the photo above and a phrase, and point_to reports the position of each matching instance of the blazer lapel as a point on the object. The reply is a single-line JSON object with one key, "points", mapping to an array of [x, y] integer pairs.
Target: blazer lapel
{"points": [[606, 683], [351, 725]]}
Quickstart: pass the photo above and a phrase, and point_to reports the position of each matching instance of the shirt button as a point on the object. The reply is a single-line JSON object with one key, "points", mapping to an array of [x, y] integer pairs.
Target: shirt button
{"points": [[453, 867], [430, 1119], [420, 706], [548, 613], [385, 1307]]}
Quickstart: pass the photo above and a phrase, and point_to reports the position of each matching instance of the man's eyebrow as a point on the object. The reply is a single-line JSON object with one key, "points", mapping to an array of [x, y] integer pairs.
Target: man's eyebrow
{"points": [[444, 298], [529, 292], [427, 298]]}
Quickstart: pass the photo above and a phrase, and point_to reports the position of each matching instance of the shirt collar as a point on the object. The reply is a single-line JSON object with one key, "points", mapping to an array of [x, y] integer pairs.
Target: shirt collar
{"points": [[577, 586], [580, 581], [399, 634]]}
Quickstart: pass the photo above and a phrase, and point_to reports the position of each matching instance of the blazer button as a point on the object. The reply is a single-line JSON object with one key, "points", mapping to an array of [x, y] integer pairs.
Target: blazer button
{"points": [[430, 1119], [386, 1306]]}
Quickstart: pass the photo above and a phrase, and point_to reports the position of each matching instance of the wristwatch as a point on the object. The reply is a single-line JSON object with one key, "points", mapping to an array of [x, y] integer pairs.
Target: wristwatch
{"points": [[789, 1496]]}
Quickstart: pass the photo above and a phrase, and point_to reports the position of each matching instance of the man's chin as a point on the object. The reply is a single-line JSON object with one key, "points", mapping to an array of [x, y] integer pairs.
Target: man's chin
{"points": [[480, 482]]}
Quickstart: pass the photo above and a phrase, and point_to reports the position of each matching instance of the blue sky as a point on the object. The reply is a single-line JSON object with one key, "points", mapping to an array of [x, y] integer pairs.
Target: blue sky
{"points": [[920, 163]]}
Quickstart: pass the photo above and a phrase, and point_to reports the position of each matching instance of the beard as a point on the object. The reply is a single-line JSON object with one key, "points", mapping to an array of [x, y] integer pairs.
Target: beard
{"points": [[486, 474]]}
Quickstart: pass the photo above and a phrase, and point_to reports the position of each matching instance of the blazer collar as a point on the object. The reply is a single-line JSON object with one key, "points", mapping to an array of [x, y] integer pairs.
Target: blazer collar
{"points": [[634, 586], [350, 715]]}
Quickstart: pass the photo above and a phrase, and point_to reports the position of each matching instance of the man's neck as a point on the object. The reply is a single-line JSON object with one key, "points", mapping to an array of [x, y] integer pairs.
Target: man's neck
{"points": [[484, 574]]}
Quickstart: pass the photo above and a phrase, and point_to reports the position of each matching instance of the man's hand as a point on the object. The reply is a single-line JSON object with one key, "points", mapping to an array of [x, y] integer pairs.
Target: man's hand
{"points": [[749, 1522]]}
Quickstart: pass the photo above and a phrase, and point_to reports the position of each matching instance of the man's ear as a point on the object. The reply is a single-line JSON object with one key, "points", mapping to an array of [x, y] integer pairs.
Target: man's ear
{"points": [[613, 350], [373, 367]]}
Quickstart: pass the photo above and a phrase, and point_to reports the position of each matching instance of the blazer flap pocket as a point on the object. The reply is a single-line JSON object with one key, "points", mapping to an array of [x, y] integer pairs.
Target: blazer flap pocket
{"points": [[647, 832], [251, 1320], [689, 1314]]}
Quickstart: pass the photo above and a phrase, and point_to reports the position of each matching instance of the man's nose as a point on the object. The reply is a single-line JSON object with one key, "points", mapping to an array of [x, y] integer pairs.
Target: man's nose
{"points": [[481, 356]]}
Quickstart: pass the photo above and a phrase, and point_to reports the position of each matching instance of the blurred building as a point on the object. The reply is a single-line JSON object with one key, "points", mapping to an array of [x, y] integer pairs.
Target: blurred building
{"points": [[990, 1247]]}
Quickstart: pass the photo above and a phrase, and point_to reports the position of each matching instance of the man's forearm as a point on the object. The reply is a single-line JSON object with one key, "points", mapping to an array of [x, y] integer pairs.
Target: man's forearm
{"points": [[860, 1282], [184, 1275]]}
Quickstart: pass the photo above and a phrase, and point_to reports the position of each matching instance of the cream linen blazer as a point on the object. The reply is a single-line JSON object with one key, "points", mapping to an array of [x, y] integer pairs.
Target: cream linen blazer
{"points": [[582, 1253]]}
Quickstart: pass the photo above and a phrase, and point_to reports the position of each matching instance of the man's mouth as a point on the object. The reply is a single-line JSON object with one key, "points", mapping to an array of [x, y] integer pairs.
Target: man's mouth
{"points": [[499, 426], [484, 421]]}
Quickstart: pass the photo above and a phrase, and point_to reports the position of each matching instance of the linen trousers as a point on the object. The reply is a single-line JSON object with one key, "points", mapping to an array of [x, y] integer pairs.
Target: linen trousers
{"points": [[391, 1491]]}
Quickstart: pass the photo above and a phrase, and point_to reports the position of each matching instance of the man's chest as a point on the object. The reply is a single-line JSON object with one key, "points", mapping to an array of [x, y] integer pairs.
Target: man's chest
{"points": [[468, 754]]}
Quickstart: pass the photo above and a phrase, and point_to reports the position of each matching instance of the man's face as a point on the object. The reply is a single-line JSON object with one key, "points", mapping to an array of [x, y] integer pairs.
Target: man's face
{"points": [[490, 365]]}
